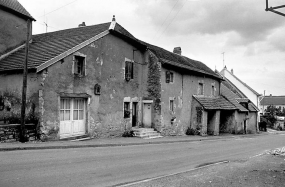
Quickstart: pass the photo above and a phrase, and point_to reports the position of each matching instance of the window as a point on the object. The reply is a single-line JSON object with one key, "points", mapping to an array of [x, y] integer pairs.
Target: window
{"points": [[200, 89], [97, 89], [79, 65], [71, 109], [199, 114], [127, 110], [171, 105], [169, 77], [65, 109], [213, 90], [129, 70]]}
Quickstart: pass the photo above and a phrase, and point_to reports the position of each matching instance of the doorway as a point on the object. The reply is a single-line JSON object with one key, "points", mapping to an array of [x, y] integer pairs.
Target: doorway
{"points": [[135, 114], [147, 114]]}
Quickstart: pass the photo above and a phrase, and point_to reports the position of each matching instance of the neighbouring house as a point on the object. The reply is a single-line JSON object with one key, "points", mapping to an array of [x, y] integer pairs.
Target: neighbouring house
{"points": [[243, 88], [13, 19], [101, 81], [276, 101], [245, 118]]}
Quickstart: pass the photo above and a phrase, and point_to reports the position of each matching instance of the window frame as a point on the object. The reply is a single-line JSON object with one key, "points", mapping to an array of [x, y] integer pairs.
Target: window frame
{"points": [[129, 70], [127, 109], [171, 104], [169, 77], [79, 57]]}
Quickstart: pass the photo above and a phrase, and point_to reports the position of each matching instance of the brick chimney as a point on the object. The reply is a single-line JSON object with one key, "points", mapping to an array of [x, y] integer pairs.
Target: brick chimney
{"points": [[177, 50], [82, 24]]}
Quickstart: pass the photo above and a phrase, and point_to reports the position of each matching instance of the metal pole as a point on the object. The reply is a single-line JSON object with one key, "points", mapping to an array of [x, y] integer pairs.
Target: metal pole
{"points": [[266, 5], [24, 89]]}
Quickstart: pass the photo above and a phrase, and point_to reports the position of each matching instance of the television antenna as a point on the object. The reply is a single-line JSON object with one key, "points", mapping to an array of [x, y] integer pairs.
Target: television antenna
{"points": [[274, 9]]}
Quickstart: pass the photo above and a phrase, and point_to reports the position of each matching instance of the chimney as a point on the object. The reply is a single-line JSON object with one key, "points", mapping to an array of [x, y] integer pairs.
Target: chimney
{"points": [[177, 50], [82, 24], [232, 71]]}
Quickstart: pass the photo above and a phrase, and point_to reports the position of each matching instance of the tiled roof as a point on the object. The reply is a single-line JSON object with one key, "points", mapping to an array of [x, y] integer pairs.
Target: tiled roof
{"points": [[252, 107], [181, 61], [46, 46], [14, 5], [49, 45], [225, 69], [215, 103], [232, 97], [273, 100], [233, 88], [243, 100]]}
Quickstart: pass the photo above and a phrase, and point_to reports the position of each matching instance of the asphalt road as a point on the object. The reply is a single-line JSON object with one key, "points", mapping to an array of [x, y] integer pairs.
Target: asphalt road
{"points": [[109, 166]]}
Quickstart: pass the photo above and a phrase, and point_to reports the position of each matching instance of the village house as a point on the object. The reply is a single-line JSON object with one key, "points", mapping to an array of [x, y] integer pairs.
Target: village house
{"points": [[245, 117], [270, 100], [243, 88], [101, 81]]}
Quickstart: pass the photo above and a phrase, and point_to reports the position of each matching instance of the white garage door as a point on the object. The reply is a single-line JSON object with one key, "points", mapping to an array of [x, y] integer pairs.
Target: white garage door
{"points": [[72, 117]]}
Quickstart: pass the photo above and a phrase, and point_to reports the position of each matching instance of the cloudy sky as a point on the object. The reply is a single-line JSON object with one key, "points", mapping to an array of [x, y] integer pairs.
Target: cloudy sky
{"points": [[252, 40]]}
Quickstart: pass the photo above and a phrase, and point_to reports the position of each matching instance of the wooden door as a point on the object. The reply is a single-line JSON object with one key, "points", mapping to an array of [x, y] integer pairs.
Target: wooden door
{"points": [[72, 117], [147, 115]]}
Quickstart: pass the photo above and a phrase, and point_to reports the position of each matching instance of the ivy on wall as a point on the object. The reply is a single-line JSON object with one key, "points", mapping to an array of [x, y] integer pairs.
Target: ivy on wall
{"points": [[154, 84]]}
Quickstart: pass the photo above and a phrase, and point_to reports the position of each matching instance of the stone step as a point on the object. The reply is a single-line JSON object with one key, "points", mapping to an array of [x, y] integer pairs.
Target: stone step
{"points": [[146, 133]]}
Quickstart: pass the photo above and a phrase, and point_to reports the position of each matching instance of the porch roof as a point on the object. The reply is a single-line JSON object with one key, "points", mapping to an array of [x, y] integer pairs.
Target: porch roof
{"points": [[215, 103]]}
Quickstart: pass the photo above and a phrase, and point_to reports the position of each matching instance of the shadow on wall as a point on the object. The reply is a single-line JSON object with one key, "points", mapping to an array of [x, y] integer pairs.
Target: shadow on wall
{"points": [[10, 109]]}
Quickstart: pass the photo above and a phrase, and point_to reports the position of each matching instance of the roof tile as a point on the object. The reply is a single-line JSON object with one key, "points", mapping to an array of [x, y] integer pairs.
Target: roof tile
{"points": [[15, 6], [215, 103]]}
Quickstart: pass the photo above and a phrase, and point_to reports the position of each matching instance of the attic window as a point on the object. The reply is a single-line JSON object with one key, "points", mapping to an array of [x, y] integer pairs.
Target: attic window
{"points": [[129, 70], [169, 77], [79, 65]]}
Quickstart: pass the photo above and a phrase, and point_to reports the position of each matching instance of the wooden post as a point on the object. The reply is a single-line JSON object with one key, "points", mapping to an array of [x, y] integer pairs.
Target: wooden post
{"points": [[24, 88]]}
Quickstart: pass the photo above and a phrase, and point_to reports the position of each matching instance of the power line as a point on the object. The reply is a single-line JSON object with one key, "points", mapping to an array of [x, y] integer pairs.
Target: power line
{"points": [[172, 19], [167, 16], [51, 12], [58, 8]]}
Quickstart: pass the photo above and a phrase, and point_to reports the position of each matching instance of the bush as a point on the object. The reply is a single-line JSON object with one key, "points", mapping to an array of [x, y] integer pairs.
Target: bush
{"points": [[128, 134], [191, 131]]}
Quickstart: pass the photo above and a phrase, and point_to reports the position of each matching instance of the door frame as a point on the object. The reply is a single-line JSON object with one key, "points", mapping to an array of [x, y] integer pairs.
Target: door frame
{"points": [[85, 115], [143, 112]]}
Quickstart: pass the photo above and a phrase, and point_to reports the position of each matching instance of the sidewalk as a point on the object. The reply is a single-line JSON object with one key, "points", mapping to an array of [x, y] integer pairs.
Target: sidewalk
{"points": [[109, 142]]}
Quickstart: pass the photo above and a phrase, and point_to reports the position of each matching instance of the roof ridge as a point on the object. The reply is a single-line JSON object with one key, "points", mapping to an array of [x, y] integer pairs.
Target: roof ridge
{"points": [[242, 82], [75, 28]]}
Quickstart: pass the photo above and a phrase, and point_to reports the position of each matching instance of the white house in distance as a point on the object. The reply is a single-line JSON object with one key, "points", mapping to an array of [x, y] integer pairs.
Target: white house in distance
{"points": [[250, 93]]}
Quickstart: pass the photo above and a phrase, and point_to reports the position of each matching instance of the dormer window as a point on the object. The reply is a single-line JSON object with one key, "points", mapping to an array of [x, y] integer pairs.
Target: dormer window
{"points": [[129, 70]]}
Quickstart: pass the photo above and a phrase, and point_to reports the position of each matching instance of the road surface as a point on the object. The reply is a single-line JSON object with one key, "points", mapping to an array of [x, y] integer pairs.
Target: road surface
{"points": [[109, 166]]}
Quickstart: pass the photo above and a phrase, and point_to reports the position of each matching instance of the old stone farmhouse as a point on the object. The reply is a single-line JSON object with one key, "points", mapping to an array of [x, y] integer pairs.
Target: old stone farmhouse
{"points": [[101, 81]]}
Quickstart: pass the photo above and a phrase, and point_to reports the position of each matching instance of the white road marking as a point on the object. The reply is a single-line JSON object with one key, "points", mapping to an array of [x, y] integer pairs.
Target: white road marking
{"points": [[155, 178]]}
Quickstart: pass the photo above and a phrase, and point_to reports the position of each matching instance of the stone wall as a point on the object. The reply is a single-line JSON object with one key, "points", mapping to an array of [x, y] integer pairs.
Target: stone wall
{"points": [[105, 65], [13, 31]]}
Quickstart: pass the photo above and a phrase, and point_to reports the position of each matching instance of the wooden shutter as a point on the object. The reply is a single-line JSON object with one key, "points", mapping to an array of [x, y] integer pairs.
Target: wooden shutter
{"points": [[167, 76]]}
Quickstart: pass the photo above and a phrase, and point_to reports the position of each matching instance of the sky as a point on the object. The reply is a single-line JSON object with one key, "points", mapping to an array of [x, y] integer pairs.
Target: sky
{"points": [[238, 34]]}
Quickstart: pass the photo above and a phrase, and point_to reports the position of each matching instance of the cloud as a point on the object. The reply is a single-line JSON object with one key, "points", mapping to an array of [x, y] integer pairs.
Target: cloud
{"points": [[247, 18]]}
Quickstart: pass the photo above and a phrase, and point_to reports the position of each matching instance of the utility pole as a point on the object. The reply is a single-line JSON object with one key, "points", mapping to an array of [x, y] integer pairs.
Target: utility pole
{"points": [[24, 89], [273, 9]]}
